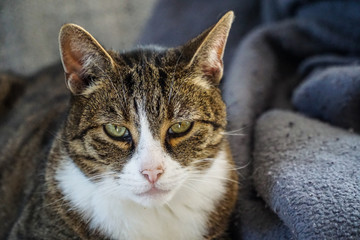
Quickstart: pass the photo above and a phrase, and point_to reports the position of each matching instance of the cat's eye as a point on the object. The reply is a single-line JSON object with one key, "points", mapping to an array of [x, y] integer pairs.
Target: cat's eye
{"points": [[117, 132], [180, 128]]}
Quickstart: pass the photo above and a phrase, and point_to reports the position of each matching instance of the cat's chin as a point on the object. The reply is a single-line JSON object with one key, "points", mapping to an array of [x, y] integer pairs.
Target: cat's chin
{"points": [[153, 198]]}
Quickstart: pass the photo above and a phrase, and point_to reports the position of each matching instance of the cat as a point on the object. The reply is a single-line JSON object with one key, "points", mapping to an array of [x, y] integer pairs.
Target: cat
{"points": [[140, 153]]}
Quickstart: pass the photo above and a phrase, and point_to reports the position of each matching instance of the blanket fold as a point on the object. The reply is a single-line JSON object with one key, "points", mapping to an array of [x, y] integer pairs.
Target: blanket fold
{"points": [[309, 174]]}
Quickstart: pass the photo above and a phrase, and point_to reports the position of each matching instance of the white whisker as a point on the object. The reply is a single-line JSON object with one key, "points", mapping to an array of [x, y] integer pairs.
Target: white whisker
{"points": [[187, 186], [203, 160], [233, 134], [214, 177], [236, 132], [101, 175], [53, 203]]}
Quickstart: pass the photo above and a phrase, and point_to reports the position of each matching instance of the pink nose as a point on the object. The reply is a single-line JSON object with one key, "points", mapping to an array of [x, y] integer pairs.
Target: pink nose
{"points": [[152, 175]]}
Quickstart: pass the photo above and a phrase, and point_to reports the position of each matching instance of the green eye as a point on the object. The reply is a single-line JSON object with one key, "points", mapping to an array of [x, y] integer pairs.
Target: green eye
{"points": [[116, 131], [180, 127]]}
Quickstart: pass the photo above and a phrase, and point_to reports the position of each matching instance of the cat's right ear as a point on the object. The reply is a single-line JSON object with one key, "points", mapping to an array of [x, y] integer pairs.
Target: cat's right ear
{"points": [[80, 52], [207, 49]]}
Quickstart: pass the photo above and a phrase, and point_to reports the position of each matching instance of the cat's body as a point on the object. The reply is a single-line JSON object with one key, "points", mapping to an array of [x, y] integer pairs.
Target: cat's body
{"points": [[142, 152]]}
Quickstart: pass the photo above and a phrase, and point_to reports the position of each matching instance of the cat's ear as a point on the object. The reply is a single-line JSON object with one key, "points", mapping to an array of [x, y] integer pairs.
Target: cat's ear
{"points": [[79, 53], [208, 49]]}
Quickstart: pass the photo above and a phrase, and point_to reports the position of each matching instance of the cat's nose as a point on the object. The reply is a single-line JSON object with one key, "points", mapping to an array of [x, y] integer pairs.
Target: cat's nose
{"points": [[152, 175]]}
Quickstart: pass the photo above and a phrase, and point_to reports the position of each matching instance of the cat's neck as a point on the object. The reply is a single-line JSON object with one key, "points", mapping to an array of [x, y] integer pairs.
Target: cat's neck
{"points": [[124, 219]]}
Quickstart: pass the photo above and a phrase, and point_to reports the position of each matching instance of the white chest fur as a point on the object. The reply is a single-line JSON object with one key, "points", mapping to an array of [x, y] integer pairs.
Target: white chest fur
{"points": [[183, 217]]}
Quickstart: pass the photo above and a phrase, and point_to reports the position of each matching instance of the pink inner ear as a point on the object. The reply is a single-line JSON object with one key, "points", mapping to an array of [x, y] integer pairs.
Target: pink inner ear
{"points": [[212, 70], [208, 56], [212, 65], [73, 66], [71, 59]]}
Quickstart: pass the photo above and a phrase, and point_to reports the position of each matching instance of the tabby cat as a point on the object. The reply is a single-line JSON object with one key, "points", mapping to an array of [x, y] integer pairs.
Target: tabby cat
{"points": [[140, 154]]}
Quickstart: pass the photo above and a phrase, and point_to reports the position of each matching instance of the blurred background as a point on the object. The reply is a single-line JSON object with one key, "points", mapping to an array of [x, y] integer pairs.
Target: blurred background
{"points": [[29, 29]]}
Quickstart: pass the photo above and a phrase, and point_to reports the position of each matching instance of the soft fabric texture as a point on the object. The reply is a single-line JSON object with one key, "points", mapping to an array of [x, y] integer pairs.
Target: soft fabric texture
{"points": [[332, 94], [308, 173], [298, 177]]}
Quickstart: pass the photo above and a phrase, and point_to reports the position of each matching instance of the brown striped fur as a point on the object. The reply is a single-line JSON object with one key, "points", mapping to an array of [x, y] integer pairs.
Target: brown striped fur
{"points": [[171, 85]]}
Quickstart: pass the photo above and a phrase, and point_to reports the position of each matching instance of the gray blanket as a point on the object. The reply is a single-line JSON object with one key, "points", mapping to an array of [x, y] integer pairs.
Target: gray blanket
{"points": [[299, 166]]}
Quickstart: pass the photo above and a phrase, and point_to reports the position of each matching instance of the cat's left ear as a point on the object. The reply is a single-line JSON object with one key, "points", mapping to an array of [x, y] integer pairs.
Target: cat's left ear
{"points": [[209, 47], [81, 55]]}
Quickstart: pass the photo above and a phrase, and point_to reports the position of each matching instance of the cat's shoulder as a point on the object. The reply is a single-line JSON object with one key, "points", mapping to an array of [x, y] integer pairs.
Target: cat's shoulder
{"points": [[31, 110]]}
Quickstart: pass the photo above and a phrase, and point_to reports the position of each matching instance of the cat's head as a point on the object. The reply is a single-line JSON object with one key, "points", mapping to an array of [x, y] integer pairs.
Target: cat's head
{"points": [[144, 123]]}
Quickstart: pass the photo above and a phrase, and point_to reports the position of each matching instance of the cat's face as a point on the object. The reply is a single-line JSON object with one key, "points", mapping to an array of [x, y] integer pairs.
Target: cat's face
{"points": [[146, 123]]}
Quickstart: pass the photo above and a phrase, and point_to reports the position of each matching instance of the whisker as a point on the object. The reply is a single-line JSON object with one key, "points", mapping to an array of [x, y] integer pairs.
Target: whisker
{"points": [[189, 187], [244, 166], [133, 182], [107, 190], [214, 177], [227, 168], [101, 175], [203, 160], [233, 134], [53, 203], [217, 170], [236, 132]]}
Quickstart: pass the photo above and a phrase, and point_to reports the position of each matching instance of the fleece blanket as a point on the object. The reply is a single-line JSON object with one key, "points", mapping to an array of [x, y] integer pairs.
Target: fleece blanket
{"points": [[292, 87]]}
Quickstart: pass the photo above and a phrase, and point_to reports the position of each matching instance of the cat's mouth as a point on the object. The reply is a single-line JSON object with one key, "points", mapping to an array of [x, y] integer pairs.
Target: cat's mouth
{"points": [[154, 192], [153, 197]]}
